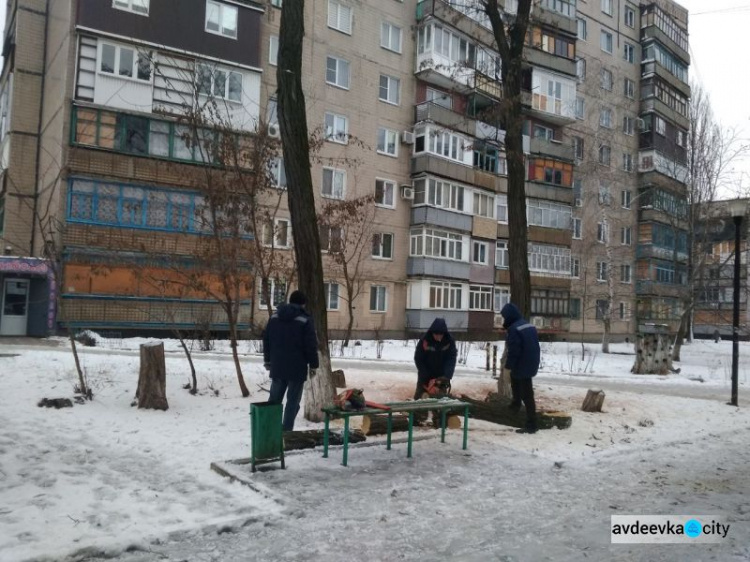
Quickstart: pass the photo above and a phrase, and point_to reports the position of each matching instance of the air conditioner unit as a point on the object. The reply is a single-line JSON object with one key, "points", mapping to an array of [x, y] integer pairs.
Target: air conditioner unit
{"points": [[578, 202], [407, 192], [407, 137], [274, 131]]}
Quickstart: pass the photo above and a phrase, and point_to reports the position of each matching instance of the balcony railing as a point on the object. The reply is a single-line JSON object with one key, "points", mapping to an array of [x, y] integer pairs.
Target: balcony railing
{"points": [[539, 145]]}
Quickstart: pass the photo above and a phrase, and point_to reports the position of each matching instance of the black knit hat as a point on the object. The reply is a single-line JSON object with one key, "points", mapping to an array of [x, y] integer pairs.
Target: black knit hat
{"points": [[298, 297]]}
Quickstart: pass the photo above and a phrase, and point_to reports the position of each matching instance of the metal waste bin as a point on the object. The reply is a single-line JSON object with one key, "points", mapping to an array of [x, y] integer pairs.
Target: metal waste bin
{"points": [[266, 433]]}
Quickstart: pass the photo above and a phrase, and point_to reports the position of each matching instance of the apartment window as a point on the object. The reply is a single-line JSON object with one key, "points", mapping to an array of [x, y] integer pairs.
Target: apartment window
{"points": [[602, 307], [273, 50], [680, 138], [605, 155], [577, 234], [625, 273], [439, 98], [331, 238], [626, 198], [334, 183], [337, 72], [628, 125], [385, 193], [607, 7], [502, 297], [502, 208], [430, 242], [601, 232], [578, 193], [446, 296], [387, 142], [623, 311], [439, 193], [630, 17], [629, 53], [580, 108], [606, 42], [136, 6], [660, 125], [484, 205], [627, 162], [278, 173], [575, 268], [479, 252], [575, 309], [488, 158], [221, 19], [604, 195], [382, 245], [337, 128], [2, 216], [602, 271], [276, 233], [276, 288], [605, 117], [125, 62], [629, 88], [277, 3], [545, 258], [390, 89], [605, 79], [626, 234], [581, 69], [339, 17], [390, 37], [578, 147], [214, 82], [583, 31], [501, 255], [542, 132], [331, 291], [480, 298], [378, 297], [548, 214]]}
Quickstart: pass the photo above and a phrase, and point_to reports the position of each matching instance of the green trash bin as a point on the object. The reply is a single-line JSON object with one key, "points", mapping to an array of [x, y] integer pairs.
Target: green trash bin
{"points": [[266, 433]]}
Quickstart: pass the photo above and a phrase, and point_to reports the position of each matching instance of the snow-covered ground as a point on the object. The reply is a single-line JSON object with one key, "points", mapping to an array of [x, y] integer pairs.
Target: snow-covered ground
{"points": [[105, 479]]}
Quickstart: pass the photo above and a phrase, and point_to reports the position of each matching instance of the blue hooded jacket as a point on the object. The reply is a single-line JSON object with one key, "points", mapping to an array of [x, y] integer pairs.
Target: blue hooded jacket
{"points": [[290, 343], [522, 342], [436, 359]]}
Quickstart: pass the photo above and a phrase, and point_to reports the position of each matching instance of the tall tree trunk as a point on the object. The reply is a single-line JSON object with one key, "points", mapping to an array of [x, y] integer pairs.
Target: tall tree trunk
{"points": [[681, 332], [350, 310], [232, 320], [607, 332], [296, 148], [193, 378], [81, 379]]}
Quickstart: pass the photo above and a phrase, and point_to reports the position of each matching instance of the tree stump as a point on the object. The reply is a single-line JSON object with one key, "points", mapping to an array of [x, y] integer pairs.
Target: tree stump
{"points": [[152, 378], [309, 439], [378, 424], [653, 356], [497, 410], [594, 401], [504, 388], [339, 380]]}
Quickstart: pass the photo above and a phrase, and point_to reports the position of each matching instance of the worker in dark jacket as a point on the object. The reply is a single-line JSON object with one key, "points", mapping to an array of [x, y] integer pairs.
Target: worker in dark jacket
{"points": [[435, 356], [290, 346], [522, 343]]}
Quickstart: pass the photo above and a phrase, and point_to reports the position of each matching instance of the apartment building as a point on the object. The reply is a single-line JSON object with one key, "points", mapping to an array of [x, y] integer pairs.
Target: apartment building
{"points": [[405, 95]]}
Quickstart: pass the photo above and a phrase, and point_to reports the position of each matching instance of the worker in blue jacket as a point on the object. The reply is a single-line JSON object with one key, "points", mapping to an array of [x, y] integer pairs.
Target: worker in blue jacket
{"points": [[290, 346], [522, 343]]}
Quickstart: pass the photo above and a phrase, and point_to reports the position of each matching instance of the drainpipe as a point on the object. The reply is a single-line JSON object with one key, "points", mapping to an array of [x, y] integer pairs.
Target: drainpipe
{"points": [[39, 133]]}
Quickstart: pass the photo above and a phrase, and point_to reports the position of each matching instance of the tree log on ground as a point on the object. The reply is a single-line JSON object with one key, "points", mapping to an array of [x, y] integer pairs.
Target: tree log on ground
{"points": [[310, 439], [378, 424], [152, 378], [594, 401], [498, 411]]}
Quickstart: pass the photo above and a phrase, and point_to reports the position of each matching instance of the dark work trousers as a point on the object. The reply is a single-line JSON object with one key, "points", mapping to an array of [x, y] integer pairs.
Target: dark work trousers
{"points": [[293, 391], [523, 391]]}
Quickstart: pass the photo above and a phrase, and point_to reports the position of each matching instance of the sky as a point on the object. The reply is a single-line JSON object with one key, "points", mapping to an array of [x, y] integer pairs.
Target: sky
{"points": [[719, 62]]}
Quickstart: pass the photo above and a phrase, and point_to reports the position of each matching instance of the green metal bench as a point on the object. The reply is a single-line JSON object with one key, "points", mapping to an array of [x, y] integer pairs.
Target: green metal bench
{"points": [[430, 404]]}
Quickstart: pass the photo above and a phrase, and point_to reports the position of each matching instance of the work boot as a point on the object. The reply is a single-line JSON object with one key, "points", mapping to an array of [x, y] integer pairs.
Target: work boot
{"points": [[527, 429]]}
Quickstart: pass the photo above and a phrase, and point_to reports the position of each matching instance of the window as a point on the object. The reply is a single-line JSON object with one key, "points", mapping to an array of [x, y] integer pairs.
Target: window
{"points": [[446, 295], [337, 72], [439, 98], [337, 128], [429, 242], [137, 6], [627, 162], [581, 69], [605, 79], [501, 255], [334, 183], [276, 234], [626, 198], [273, 50], [626, 234], [673, 65], [575, 267], [277, 289], [578, 193], [607, 7], [331, 291], [602, 271], [390, 37], [623, 311], [276, 3], [544, 258], [439, 193], [484, 205], [382, 245], [578, 147], [502, 297], [630, 17], [214, 82], [680, 138], [629, 88], [605, 155], [577, 228], [602, 309], [339, 17], [385, 193], [575, 309], [125, 62], [629, 53], [480, 298], [660, 125], [580, 108], [604, 195], [221, 19], [331, 238], [278, 173], [583, 31], [548, 214], [605, 117], [601, 232], [390, 89], [387, 142], [378, 295], [625, 273], [628, 125], [502, 208], [606, 42], [2, 215], [479, 252], [488, 158]]}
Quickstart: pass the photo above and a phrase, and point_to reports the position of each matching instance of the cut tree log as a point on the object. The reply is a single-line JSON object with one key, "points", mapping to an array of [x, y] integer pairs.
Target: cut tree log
{"points": [[498, 411], [152, 378], [294, 440], [338, 378], [594, 401], [378, 424]]}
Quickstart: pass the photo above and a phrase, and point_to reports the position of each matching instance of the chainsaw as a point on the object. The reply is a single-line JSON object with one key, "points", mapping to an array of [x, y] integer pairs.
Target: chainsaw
{"points": [[354, 399], [438, 388]]}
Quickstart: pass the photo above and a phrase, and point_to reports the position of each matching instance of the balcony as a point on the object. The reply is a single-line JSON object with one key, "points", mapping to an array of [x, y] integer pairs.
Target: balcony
{"points": [[420, 320], [652, 68], [648, 251], [653, 32], [427, 163], [430, 111], [654, 161], [655, 104], [454, 17], [441, 217], [554, 18], [442, 72], [433, 267], [658, 288], [540, 58], [555, 149], [557, 193]]}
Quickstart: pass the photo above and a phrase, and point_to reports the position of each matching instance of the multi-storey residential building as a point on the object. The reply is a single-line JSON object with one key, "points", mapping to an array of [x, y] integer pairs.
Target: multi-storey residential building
{"points": [[406, 96]]}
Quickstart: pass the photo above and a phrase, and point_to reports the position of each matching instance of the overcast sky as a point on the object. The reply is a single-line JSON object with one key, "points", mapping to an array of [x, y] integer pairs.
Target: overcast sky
{"points": [[718, 47]]}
